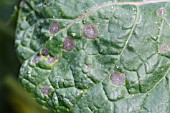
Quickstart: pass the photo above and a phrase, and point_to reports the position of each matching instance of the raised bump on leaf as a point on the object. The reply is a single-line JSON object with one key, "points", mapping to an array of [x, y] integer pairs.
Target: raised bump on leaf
{"points": [[90, 31], [69, 44], [54, 28], [117, 78]]}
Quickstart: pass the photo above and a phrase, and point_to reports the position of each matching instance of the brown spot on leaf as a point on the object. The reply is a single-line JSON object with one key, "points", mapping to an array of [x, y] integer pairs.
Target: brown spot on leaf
{"points": [[89, 68], [21, 3], [36, 59], [45, 52], [54, 28], [161, 12], [46, 90], [90, 31], [164, 48], [69, 44], [53, 59], [117, 78]]}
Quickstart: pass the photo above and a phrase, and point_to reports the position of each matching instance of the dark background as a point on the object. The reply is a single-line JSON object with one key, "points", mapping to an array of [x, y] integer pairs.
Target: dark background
{"points": [[13, 99]]}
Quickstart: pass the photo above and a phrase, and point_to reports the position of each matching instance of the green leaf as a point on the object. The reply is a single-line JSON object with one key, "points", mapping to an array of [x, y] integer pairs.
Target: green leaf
{"points": [[96, 56]]}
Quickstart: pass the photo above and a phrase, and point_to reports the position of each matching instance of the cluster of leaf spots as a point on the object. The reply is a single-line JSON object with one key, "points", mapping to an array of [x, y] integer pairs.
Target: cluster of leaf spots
{"points": [[95, 56], [45, 52]]}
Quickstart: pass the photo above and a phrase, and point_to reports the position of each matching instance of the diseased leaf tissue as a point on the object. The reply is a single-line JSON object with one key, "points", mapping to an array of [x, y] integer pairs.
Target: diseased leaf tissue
{"points": [[96, 56]]}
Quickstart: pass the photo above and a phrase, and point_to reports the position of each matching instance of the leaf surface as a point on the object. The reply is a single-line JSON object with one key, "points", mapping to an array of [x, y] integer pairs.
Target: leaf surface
{"points": [[96, 56]]}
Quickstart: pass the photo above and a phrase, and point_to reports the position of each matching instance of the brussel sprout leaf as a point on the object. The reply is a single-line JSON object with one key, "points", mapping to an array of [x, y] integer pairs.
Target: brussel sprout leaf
{"points": [[96, 56]]}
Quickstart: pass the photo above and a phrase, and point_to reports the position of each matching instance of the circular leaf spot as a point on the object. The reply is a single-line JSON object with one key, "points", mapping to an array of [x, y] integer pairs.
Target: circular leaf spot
{"points": [[89, 67], [90, 31], [164, 48], [69, 44], [45, 52], [46, 90], [117, 78], [21, 3], [54, 28], [36, 59], [161, 12]]}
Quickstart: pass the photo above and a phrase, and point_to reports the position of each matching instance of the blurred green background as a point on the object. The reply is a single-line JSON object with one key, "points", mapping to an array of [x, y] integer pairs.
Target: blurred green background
{"points": [[13, 99]]}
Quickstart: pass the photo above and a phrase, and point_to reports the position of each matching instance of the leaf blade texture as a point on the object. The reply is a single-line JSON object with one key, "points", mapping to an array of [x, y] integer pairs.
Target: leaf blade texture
{"points": [[96, 56]]}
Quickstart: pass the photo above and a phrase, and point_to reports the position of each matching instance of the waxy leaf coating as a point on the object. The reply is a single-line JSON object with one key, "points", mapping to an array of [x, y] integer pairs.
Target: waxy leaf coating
{"points": [[96, 56]]}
